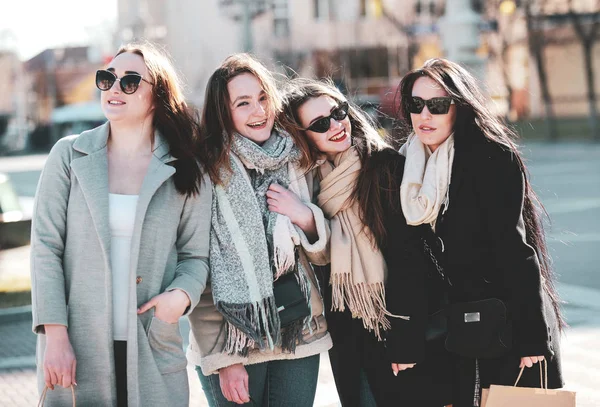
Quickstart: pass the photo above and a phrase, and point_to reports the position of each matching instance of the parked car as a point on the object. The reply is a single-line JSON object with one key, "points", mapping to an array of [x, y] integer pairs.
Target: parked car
{"points": [[15, 225]]}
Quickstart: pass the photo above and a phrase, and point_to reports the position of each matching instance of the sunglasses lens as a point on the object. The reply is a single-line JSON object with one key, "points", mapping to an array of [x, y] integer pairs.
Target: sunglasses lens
{"points": [[415, 105], [340, 113], [321, 125], [439, 105], [130, 83], [104, 80]]}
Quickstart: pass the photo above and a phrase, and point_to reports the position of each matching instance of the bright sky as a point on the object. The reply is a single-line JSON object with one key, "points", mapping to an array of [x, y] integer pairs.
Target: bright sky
{"points": [[39, 24]]}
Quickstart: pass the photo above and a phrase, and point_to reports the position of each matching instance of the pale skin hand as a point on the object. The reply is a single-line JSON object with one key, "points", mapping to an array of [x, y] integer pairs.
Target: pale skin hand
{"points": [[398, 367], [285, 202], [529, 361], [234, 383], [59, 358], [168, 306]]}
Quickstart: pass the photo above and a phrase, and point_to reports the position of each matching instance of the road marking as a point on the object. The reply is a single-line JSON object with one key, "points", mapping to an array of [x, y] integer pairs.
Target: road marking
{"points": [[575, 237], [560, 168], [579, 295], [23, 163], [571, 205], [17, 362]]}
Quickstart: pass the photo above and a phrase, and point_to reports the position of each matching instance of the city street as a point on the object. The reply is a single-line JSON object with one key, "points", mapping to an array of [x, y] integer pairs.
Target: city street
{"points": [[565, 175]]}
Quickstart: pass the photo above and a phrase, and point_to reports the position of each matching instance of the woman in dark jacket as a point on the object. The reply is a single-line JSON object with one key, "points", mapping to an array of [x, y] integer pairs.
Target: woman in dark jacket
{"points": [[465, 180]]}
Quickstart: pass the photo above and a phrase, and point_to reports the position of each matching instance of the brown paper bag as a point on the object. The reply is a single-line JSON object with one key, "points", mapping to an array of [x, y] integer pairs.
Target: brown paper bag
{"points": [[512, 396]]}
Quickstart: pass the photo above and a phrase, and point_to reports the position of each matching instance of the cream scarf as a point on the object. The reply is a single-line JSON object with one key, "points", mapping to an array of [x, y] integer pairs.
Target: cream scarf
{"points": [[358, 269], [426, 180]]}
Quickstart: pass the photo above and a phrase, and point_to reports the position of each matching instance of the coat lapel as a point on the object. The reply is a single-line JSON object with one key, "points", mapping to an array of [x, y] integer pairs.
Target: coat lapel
{"points": [[91, 171], [158, 173]]}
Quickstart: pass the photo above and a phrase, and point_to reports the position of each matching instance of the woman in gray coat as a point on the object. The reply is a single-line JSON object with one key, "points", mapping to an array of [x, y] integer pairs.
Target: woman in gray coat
{"points": [[120, 243]]}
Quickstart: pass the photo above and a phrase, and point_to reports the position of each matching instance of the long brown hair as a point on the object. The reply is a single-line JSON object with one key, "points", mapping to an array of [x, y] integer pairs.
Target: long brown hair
{"points": [[216, 122], [374, 176], [474, 118], [173, 118]]}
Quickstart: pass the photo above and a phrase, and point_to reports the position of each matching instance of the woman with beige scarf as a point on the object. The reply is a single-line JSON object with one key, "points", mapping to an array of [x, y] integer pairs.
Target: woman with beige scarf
{"points": [[359, 192]]}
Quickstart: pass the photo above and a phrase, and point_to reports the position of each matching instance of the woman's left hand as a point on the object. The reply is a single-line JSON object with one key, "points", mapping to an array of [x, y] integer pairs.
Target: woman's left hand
{"points": [[283, 201], [529, 361], [168, 306], [399, 367]]}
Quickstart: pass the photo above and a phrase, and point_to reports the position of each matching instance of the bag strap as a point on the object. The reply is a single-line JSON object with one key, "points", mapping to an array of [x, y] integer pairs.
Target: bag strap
{"points": [[543, 376], [43, 396]]}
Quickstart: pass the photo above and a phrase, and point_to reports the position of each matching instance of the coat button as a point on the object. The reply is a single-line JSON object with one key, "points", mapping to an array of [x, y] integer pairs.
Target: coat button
{"points": [[138, 279]]}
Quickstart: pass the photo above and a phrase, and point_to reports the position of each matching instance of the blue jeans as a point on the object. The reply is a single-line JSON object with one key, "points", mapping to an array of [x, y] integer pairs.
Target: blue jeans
{"points": [[278, 383]]}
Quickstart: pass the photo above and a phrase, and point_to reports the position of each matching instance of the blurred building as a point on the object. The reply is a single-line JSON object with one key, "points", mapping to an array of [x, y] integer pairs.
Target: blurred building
{"points": [[367, 45], [199, 35], [61, 76], [351, 41], [13, 123], [9, 63]]}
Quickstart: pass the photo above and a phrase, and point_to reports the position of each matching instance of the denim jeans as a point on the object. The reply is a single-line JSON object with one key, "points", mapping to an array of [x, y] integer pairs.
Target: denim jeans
{"points": [[278, 383]]}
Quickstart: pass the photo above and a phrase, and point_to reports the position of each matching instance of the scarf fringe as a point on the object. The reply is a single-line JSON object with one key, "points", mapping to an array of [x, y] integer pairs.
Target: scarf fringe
{"points": [[249, 325], [365, 301], [284, 252], [290, 336]]}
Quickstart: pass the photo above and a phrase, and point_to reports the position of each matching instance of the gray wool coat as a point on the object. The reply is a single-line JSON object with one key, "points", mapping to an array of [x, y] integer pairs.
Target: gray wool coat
{"points": [[71, 274]]}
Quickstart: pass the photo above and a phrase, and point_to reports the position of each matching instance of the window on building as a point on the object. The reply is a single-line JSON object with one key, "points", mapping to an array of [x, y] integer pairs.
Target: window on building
{"points": [[363, 8], [281, 21], [321, 9], [345, 10], [366, 62], [340, 10], [281, 27]]}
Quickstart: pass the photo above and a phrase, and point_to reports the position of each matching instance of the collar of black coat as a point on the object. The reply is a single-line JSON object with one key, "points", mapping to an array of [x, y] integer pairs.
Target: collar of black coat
{"points": [[96, 139]]}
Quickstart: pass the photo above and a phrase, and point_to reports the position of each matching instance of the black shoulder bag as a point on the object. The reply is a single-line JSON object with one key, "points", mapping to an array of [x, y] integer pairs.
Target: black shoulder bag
{"points": [[474, 329], [289, 298]]}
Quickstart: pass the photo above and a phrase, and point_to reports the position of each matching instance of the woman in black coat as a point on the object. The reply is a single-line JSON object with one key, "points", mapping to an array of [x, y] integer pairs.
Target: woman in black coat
{"points": [[466, 183]]}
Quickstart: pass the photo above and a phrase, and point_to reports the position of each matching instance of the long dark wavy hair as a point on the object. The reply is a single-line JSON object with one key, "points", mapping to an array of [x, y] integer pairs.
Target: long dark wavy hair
{"points": [[216, 123], [374, 175], [173, 118], [473, 117]]}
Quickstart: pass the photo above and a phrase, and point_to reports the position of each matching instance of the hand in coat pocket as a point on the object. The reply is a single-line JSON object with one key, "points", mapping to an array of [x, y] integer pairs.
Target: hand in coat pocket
{"points": [[168, 306]]}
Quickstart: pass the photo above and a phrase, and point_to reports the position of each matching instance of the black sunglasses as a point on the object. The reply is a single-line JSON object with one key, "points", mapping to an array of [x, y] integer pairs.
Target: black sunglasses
{"points": [[129, 83], [323, 124], [439, 105]]}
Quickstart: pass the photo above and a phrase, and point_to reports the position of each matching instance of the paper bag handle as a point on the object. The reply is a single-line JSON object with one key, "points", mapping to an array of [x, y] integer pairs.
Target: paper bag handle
{"points": [[43, 396], [543, 383]]}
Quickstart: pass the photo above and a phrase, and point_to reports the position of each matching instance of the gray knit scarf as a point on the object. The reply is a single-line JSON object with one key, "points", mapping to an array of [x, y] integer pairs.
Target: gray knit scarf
{"points": [[251, 246]]}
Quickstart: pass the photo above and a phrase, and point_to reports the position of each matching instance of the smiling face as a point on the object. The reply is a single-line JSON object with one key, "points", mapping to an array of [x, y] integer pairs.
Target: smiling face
{"points": [[432, 130], [337, 138], [120, 107], [249, 106]]}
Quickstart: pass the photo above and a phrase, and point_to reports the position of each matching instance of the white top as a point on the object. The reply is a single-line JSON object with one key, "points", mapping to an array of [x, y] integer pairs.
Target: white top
{"points": [[121, 214]]}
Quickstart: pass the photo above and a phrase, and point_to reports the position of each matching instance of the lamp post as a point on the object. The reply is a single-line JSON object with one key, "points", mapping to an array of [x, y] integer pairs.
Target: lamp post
{"points": [[460, 30], [246, 11]]}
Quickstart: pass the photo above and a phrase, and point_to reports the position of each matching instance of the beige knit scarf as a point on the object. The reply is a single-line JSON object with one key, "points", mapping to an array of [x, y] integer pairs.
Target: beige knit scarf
{"points": [[426, 180], [358, 269]]}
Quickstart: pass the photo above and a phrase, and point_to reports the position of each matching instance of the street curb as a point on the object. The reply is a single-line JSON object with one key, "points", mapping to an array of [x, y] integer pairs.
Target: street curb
{"points": [[17, 362], [15, 314]]}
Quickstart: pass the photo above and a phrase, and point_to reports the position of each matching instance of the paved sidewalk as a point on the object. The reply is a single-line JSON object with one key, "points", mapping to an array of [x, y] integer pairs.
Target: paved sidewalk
{"points": [[18, 388]]}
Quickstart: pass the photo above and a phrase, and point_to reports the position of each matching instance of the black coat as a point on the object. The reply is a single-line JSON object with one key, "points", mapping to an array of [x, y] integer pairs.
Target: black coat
{"points": [[414, 290], [486, 256]]}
